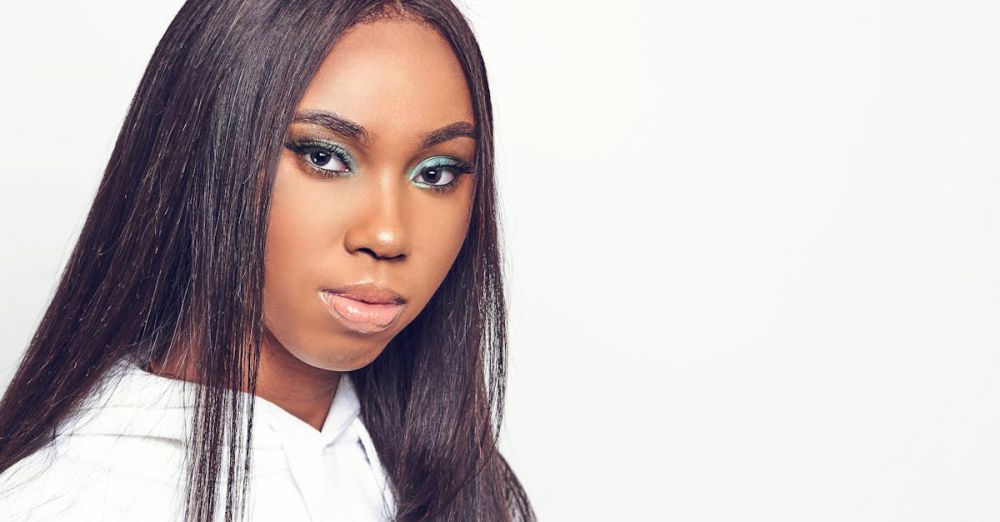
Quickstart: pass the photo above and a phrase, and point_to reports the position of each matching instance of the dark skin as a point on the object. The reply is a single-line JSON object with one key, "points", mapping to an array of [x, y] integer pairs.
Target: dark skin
{"points": [[378, 220]]}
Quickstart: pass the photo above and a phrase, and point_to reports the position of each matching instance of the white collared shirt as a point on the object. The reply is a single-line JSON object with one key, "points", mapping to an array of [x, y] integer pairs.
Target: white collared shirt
{"points": [[121, 458]]}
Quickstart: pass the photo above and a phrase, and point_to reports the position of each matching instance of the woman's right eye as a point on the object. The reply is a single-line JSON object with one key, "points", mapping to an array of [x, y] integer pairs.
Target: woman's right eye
{"points": [[328, 160]]}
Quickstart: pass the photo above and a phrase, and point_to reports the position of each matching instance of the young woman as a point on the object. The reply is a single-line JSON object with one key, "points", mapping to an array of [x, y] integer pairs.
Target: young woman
{"points": [[286, 302]]}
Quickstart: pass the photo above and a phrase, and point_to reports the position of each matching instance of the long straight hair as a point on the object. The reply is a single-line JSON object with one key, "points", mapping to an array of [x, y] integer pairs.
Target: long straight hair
{"points": [[171, 256]]}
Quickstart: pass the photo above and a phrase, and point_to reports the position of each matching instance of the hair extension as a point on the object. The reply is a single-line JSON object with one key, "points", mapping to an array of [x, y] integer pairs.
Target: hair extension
{"points": [[170, 258]]}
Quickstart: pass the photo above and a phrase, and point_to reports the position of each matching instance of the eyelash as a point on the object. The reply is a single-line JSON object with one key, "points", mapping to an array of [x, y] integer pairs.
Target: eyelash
{"points": [[309, 146], [456, 166]]}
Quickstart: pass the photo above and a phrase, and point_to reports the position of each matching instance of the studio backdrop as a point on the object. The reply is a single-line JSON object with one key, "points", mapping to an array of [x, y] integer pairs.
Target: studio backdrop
{"points": [[752, 248]]}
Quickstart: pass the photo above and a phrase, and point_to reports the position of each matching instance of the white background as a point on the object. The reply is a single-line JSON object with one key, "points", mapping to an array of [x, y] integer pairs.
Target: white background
{"points": [[753, 247]]}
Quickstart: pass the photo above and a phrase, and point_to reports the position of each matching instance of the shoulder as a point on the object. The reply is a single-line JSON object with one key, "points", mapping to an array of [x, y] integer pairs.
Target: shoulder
{"points": [[47, 485], [62, 481], [114, 459]]}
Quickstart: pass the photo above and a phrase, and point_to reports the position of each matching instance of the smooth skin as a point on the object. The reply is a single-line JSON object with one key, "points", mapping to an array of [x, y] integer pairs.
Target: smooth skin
{"points": [[378, 223]]}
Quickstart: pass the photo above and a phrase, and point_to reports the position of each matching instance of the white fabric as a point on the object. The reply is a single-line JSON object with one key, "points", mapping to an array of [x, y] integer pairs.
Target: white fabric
{"points": [[121, 458]]}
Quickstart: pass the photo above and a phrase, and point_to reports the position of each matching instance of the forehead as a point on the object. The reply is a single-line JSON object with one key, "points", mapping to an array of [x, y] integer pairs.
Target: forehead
{"points": [[393, 77]]}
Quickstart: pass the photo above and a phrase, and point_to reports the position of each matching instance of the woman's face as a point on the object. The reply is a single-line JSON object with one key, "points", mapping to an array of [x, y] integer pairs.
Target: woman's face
{"points": [[373, 187]]}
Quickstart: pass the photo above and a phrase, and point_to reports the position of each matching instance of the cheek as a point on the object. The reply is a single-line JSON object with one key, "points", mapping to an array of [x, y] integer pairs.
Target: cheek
{"points": [[294, 248], [445, 225]]}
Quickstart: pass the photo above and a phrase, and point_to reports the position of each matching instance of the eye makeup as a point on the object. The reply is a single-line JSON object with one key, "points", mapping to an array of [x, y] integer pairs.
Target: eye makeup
{"points": [[438, 173], [313, 151], [435, 167]]}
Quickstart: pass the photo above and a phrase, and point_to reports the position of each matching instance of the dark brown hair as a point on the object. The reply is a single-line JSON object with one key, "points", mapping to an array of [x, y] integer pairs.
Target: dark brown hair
{"points": [[171, 255]]}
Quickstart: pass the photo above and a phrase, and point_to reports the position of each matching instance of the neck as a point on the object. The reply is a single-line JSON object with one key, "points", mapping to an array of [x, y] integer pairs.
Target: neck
{"points": [[298, 388]]}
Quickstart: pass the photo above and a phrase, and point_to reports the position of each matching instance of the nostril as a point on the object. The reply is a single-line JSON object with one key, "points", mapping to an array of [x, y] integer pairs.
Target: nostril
{"points": [[378, 255]]}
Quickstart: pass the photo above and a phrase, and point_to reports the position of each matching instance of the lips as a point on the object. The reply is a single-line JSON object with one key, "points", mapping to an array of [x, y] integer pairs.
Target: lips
{"points": [[368, 293], [363, 309]]}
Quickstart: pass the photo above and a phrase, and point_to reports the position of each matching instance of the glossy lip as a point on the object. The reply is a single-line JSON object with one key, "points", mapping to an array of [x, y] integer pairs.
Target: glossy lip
{"points": [[363, 293]]}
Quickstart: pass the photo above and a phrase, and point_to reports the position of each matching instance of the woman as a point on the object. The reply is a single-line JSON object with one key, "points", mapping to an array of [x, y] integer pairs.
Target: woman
{"points": [[288, 286]]}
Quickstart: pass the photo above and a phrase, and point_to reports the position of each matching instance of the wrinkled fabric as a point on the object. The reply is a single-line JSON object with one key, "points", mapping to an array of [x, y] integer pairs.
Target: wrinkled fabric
{"points": [[120, 457]]}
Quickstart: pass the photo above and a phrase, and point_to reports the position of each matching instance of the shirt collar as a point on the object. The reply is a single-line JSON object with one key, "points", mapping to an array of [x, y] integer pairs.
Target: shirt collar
{"points": [[134, 402], [293, 431]]}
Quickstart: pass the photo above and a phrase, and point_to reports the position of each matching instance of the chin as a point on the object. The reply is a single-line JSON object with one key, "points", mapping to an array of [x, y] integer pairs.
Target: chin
{"points": [[340, 360]]}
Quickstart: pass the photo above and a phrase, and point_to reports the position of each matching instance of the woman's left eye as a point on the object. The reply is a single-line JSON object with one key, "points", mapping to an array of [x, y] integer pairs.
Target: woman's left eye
{"points": [[440, 173], [434, 175]]}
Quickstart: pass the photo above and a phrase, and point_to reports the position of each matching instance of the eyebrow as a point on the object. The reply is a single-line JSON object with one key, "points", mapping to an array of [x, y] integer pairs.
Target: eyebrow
{"points": [[356, 132], [449, 132]]}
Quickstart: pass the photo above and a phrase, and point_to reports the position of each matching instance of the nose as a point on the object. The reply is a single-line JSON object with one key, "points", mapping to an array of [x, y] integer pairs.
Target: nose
{"points": [[379, 228]]}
